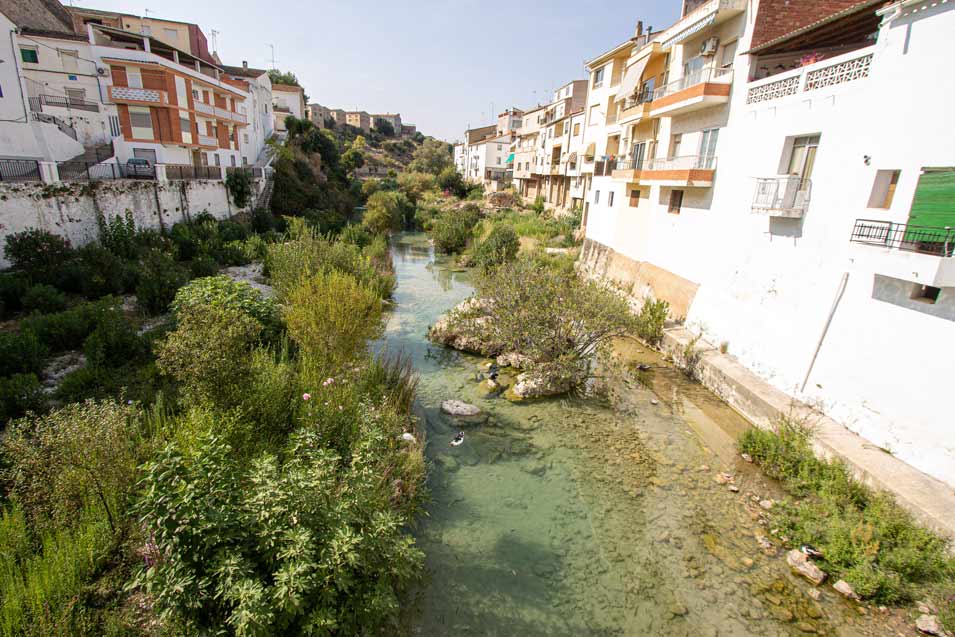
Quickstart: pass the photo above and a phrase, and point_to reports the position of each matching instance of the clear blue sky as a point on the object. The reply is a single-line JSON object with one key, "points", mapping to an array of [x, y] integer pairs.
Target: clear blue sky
{"points": [[440, 64]]}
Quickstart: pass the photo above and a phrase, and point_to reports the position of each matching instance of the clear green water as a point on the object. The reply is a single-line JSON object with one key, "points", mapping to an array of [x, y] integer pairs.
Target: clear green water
{"points": [[570, 517]]}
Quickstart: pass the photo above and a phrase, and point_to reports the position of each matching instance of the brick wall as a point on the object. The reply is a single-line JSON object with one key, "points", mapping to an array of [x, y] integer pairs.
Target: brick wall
{"points": [[779, 17]]}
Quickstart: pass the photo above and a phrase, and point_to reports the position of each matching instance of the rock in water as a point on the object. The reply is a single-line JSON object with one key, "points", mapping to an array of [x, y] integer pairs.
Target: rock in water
{"points": [[800, 563], [460, 408], [929, 625], [843, 587], [534, 386]]}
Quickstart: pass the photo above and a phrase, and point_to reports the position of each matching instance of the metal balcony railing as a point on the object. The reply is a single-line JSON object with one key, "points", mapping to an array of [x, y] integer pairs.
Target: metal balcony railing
{"points": [[708, 74], [787, 196], [89, 171], [55, 101], [688, 162], [933, 240], [630, 163], [176, 172], [19, 170], [643, 97]]}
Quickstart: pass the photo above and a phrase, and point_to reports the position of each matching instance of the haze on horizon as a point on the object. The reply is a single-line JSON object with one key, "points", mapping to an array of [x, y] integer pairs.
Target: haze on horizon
{"points": [[443, 66]]}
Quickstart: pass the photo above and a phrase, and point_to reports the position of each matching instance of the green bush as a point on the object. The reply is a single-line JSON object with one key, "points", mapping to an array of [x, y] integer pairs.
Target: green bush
{"points": [[453, 229], [39, 254], [19, 394], [222, 292], [451, 181], [232, 253], [203, 266], [12, 288], [119, 236], [44, 299], [255, 248], [864, 536], [239, 185], [114, 342], [500, 246], [386, 212], [102, 272], [355, 235], [414, 185], [68, 329], [21, 353], [652, 318], [538, 206], [159, 278]]}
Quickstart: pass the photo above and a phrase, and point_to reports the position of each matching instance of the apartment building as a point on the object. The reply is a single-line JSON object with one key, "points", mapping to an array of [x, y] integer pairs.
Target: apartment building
{"points": [[258, 85], [287, 100], [408, 130], [318, 115], [527, 177], [780, 173], [392, 118], [358, 119], [459, 163]]}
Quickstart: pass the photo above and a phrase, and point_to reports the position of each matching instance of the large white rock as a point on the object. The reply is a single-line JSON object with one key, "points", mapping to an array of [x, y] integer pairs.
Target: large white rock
{"points": [[801, 563], [460, 408]]}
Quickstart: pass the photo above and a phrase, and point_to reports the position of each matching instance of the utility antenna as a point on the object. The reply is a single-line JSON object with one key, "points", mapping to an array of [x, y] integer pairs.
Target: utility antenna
{"points": [[214, 34], [272, 46]]}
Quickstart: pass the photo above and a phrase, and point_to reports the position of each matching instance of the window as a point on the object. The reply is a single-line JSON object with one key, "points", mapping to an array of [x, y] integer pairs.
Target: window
{"points": [[185, 127], [146, 30], [576, 129], [141, 122], [675, 142], [883, 190], [75, 95], [217, 159], [69, 60], [232, 160], [610, 199], [693, 70], [596, 197], [245, 160], [134, 78], [498, 161], [925, 293], [728, 55], [245, 138], [195, 95], [676, 202], [29, 55], [708, 147], [634, 198], [599, 77], [803, 157], [593, 114], [172, 35]]}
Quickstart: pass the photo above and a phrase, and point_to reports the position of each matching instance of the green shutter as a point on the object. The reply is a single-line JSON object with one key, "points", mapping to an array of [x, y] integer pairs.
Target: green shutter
{"points": [[934, 203]]}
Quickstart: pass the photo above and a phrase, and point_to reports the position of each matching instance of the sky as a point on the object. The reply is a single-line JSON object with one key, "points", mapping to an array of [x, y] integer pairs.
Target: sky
{"points": [[444, 66]]}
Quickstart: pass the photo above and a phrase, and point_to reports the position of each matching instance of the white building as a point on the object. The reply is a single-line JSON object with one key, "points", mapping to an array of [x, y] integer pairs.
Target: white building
{"points": [[259, 107], [804, 218]]}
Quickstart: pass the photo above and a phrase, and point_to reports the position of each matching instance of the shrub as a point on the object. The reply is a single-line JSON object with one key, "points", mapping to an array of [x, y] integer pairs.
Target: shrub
{"points": [[19, 394], [222, 292], [68, 329], [103, 272], [39, 254], [12, 288], [451, 181], [355, 235], [331, 317], [538, 206], [118, 235], [203, 266], [262, 220], [500, 246], [209, 353], [21, 353], [239, 185], [453, 229], [159, 278], [114, 342], [864, 536], [44, 299], [255, 248], [232, 253], [77, 456], [414, 185], [652, 318], [386, 212]]}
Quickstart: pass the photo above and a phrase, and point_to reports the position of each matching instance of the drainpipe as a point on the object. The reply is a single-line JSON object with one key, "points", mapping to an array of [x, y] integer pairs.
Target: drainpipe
{"points": [[825, 330], [24, 99]]}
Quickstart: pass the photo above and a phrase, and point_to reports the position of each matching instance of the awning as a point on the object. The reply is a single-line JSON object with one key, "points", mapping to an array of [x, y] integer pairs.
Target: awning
{"points": [[591, 149], [510, 159], [631, 80], [572, 158], [690, 30]]}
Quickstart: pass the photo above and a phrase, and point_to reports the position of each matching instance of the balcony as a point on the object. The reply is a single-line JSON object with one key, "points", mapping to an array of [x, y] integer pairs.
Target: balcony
{"points": [[128, 94], [229, 116], [205, 109], [701, 89], [635, 108], [694, 171], [628, 169], [922, 254], [38, 103], [554, 169], [786, 197], [208, 140], [827, 74]]}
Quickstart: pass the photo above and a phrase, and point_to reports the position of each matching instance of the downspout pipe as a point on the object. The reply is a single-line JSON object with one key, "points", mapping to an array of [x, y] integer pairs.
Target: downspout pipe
{"points": [[825, 330]]}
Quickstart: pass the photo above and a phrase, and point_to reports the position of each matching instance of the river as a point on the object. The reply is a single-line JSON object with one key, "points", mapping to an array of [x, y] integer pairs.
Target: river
{"points": [[574, 517]]}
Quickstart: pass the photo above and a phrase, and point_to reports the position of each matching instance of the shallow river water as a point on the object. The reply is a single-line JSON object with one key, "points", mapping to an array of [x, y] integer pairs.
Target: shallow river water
{"points": [[572, 517]]}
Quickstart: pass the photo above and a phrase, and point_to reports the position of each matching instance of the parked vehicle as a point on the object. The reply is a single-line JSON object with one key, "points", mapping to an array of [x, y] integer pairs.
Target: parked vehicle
{"points": [[138, 168]]}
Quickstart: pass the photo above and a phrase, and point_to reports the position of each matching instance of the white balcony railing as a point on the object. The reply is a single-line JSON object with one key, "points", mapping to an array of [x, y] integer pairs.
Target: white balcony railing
{"points": [[832, 72], [786, 196], [202, 107], [688, 162], [137, 94], [206, 140]]}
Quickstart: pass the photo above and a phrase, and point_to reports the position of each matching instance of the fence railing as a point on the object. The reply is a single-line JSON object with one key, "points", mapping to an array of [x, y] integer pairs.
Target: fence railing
{"points": [[630, 163], [832, 72], [933, 240], [176, 172], [91, 171], [688, 162], [788, 196], [255, 172], [202, 107], [19, 170], [37, 103], [707, 74]]}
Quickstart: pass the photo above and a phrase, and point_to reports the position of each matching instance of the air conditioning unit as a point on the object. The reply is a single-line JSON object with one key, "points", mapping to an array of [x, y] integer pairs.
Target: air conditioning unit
{"points": [[102, 70], [709, 46]]}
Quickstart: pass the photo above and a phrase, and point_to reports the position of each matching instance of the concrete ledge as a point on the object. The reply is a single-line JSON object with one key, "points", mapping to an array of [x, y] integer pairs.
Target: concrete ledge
{"points": [[931, 501]]}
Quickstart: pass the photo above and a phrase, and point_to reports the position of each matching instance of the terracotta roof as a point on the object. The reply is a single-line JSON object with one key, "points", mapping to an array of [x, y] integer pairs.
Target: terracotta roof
{"points": [[120, 13], [244, 71], [287, 87]]}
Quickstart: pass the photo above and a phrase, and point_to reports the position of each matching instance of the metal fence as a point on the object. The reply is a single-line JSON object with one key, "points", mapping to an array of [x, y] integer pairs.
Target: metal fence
{"points": [[37, 103], [186, 171], [629, 163], [934, 240], [19, 170], [92, 171], [788, 195], [255, 172]]}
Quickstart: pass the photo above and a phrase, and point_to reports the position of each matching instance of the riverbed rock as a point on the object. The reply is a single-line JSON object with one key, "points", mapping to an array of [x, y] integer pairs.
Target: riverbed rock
{"points": [[929, 625], [460, 408], [463, 328], [532, 385], [845, 589], [802, 565], [766, 504], [723, 478], [513, 359]]}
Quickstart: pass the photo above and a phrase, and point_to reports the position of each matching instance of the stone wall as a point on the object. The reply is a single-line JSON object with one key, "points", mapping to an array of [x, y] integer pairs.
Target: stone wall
{"points": [[72, 209]]}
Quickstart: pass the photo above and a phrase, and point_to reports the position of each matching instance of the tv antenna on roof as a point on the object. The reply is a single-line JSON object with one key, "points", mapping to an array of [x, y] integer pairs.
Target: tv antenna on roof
{"points": [[272, 46], [214, 34]]}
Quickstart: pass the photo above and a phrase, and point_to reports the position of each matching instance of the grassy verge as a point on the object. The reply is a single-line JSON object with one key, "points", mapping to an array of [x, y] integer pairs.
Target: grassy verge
{"points": [[864, 536]]}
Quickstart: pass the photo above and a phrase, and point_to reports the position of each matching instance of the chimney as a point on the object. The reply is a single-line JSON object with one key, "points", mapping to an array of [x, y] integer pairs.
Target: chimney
{"points": [[639, 30], [245, 64]]}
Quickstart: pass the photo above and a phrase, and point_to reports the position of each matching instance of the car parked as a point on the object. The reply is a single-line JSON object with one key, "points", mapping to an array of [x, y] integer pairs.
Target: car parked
{"points": [[138, 168]]}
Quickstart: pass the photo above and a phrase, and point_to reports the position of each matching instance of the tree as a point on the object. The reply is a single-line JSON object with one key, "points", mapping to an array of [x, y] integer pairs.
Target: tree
{"points": [[414, 185], [432, 157], [451, 181], [500, 247], [384, 127], [278, 77], [386, 212], [297, 127], [239, 185], [325, 144]]}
